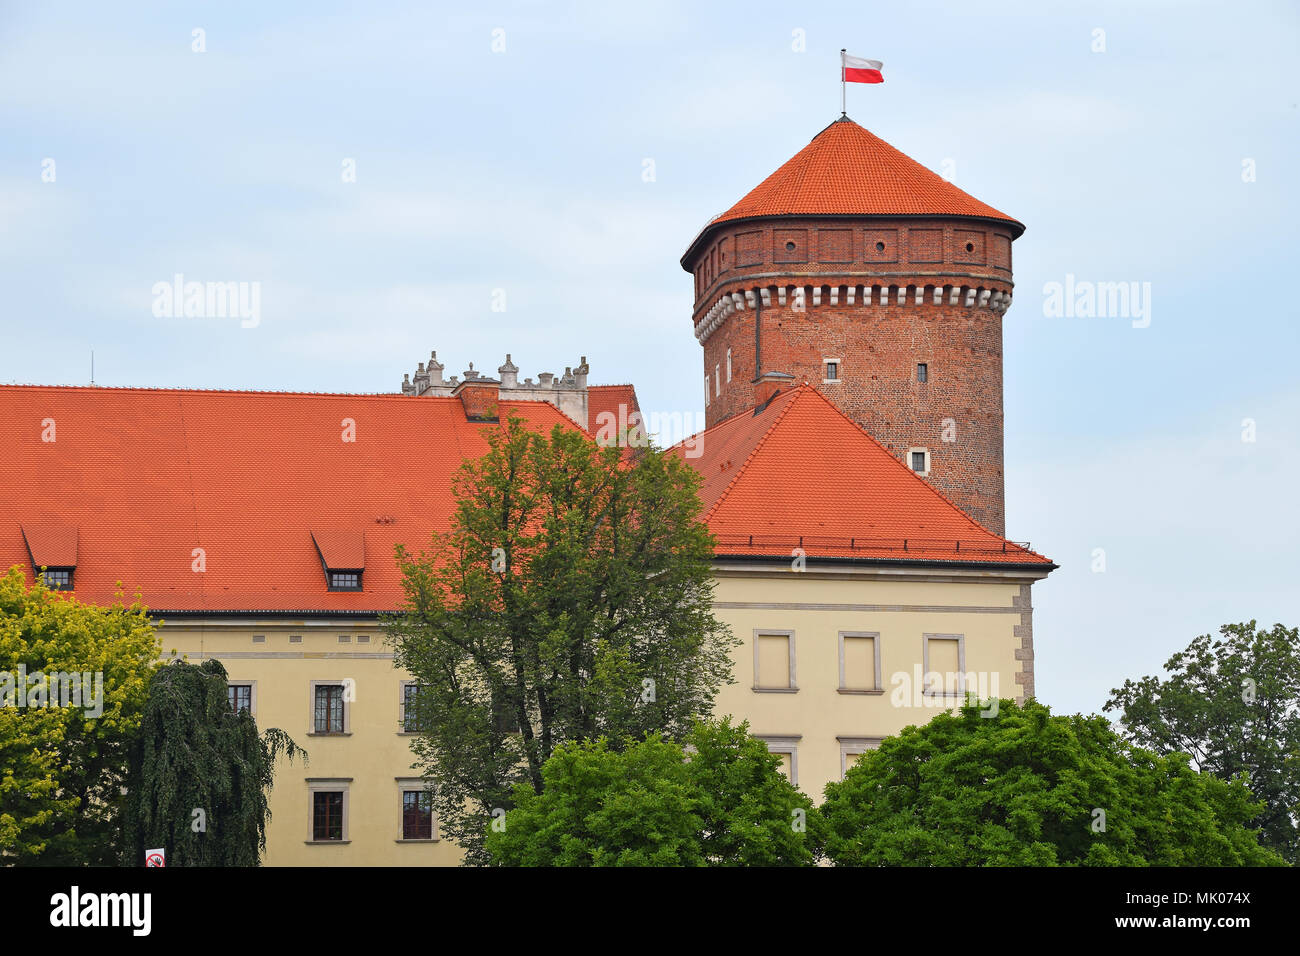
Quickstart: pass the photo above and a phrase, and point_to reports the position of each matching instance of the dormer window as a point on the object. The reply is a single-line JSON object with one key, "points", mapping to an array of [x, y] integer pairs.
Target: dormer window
{"points": [[342, 558], [57, 579], [345, 580], [52, 548]]}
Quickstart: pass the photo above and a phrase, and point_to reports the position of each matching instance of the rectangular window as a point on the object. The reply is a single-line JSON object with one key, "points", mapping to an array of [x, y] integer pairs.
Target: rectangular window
{"points": [[327, 815], [918, 462], [410, 713], [787, 748], [329, 708], [345, 581], [852, 749], [832, 371], [859, 667], [922, 372], [240, 697], [944, 665], [57, 579], [774, 661], [417, 815]]}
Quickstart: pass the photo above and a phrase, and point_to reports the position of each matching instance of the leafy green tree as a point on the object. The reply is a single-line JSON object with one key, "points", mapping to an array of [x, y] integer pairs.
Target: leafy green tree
{"points": [[1025, 788], [570, 600], [1233, 704], [62, 768], [718, 801], [200, 773]]}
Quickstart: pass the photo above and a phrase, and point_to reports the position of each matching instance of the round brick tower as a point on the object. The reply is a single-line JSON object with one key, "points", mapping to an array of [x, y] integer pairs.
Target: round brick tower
{"points": [[856, 269]]}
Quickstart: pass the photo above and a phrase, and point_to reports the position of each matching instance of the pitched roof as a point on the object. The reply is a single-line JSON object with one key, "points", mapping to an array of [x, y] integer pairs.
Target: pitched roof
{"points": [[148, 476], [798, 473], [608, 398], [848, 171]]}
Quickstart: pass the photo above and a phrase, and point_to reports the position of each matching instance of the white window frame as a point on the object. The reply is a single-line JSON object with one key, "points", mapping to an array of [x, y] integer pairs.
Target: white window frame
{"points": [[875, 647], [706, 390], [327, 784], [311, 708], [785, 744], [850, 746], [728, 365], [923, 451], [717, 385], [961, 665], [774, 632], [404, 786], [839, 365]]}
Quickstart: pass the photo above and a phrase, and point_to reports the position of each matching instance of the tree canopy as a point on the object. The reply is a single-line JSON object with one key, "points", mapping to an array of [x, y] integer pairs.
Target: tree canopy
{"points": [[1233, 704], [62, 764], [1026, 788], [570, 600], [200, 773], [720, 800]]}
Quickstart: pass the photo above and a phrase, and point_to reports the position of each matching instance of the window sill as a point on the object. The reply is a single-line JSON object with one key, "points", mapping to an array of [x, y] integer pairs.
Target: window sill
{"points": [[326, 842], [851, 690], [832, 381], [775, 690], [430, 840], [331, 734]]}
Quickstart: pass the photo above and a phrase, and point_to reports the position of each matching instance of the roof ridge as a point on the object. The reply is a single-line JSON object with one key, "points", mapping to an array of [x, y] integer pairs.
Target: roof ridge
{"points": [[794, 394]]}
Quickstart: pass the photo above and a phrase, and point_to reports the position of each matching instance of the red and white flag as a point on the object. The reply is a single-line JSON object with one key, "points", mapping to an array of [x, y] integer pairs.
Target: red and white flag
{"points": [[858, 70]]}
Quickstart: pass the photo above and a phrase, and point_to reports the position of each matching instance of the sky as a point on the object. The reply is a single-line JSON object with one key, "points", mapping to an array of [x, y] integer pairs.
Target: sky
{"points": [[392, 174]]}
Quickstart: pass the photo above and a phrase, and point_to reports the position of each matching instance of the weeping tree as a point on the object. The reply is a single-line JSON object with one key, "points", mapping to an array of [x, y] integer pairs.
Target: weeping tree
{"points": [[200, 772]]}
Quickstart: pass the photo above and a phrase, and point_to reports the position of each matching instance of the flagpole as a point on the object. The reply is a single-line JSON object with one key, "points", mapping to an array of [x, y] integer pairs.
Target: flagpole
{"points": [[844, 96]]}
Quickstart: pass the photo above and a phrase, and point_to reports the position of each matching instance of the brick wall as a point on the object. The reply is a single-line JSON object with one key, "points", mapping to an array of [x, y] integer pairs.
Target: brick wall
{"points": [[956, 414]]}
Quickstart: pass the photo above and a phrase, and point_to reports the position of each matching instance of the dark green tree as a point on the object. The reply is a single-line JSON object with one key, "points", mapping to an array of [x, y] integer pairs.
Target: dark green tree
{"points": [[719, 801], [1020, 787], [570, 600], [1233, 704], [200, 773]]}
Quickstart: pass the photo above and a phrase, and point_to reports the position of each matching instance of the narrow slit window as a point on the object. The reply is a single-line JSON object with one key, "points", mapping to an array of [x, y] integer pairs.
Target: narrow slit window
{"points": [[922, 372]]}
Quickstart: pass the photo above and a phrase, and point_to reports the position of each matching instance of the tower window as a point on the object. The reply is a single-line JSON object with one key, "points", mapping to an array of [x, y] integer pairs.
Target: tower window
{"points": [[832, 370], [880, 247], [919, 459], [728, 365], [970, 247], [789, 247], [717, 384], [922, 372]]}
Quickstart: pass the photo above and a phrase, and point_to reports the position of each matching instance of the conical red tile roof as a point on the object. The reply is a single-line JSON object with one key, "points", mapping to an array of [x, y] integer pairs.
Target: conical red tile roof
{"points": [[849, 171]]}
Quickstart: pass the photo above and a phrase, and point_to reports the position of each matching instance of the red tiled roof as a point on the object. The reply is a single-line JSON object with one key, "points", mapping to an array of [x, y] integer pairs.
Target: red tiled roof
{"points": [[151, 475], [848, 171], [51, 544], [801, 474], [341, 550], [608, 399]]}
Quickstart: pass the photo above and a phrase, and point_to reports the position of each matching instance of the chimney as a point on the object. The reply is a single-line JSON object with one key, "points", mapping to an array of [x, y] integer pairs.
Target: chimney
{"points": [[767, 386], [435, 369], [479, 396], [581, 372], [509, 373], [407, 387], [544, 379]]}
